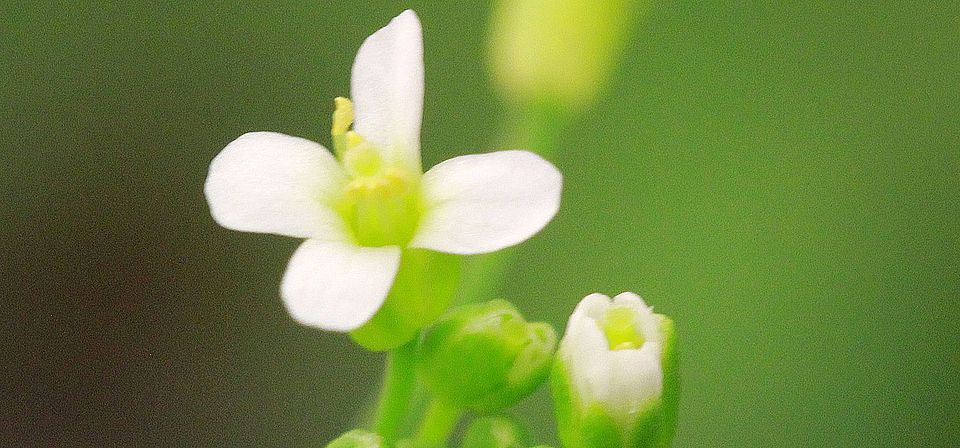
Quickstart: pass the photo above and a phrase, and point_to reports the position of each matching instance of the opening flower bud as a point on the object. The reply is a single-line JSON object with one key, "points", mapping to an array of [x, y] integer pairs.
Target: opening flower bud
{"points": [[615, 378], [485, 356]]}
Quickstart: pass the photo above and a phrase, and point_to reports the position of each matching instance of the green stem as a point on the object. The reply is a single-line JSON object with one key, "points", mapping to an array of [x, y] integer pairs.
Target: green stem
{"points": [[438, 422], [484, 275], [540, 126], [536, 127], [398, 383]]}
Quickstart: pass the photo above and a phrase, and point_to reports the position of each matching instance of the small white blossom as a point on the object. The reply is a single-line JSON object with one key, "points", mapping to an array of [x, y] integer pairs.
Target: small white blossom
{"points": [[358, 209], [612, 352]]}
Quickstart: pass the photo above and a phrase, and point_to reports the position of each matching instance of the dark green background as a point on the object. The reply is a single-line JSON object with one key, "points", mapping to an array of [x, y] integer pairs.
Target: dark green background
{"points": [[779, 177]]}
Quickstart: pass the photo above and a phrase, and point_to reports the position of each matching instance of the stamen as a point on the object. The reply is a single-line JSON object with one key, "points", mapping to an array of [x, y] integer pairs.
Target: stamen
{"points": [[342, 115], [342, 120]]}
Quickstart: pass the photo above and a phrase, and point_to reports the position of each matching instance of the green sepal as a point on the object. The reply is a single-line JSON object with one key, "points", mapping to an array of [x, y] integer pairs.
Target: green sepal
{"points": [[422, 290], [485, 356], [599, 430], [358, 438], [566, 409], [578, 427], [670, 398], [495, 432]]}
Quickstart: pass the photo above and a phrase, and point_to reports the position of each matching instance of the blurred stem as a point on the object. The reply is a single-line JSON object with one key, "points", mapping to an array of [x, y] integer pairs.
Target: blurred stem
{"points": [[483, 276], [539, 125], [438, 423], [398, 383], [536, 127]]}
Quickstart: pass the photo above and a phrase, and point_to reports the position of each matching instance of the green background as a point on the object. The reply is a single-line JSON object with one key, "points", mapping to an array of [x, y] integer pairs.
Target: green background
{"points": [[779, 177]]}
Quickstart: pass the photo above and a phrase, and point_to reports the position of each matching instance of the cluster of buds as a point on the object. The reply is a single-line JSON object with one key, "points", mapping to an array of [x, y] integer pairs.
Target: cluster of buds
{"points": [[614, 376]]}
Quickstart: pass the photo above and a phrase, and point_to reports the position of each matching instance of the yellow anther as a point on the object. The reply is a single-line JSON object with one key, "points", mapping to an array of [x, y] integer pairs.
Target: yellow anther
{"points": [[340, 131], [366, 187], [342, 116], [391, 182]]}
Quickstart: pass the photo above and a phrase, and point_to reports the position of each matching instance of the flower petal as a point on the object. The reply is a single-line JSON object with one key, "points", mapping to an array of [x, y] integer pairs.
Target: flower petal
{"points": [[584, 349], [387, 89], [274, 183], [337, 285], [635, 379], [485, 202]]}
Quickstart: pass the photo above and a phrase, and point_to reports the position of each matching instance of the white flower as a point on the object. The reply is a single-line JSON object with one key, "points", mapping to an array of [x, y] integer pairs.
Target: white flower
{"points": [[359, 209], [612, 352]]}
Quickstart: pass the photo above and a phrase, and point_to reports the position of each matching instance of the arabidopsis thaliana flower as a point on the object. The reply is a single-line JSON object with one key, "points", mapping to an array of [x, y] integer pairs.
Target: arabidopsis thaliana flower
{"points": [[358, 209]]}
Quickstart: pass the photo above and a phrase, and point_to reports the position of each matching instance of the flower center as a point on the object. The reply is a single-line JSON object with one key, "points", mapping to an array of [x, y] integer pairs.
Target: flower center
{"points": [[381, 202], [619, 325]]}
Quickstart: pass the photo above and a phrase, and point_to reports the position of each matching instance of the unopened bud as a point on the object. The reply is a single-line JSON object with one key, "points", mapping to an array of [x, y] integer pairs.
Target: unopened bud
{"points": [[485, 356], [558, 51]]}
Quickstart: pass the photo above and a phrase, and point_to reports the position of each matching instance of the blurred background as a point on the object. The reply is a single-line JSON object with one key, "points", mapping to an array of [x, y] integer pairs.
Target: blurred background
{"points": [[779, 177]]}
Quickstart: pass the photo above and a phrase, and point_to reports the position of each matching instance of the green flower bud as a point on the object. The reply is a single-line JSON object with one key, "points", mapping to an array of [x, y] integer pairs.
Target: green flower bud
{"points": [[485, 356], [558, 51], [495, 432], [615, 379], [358, 438]]}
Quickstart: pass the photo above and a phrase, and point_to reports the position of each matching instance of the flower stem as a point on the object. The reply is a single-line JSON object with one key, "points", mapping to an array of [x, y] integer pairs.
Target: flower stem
{"points": [[398, 383], [537, 127], [483, 276], [438, 422]]}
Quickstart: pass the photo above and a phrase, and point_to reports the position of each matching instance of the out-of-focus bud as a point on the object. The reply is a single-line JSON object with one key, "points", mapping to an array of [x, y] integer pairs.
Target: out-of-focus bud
{"points": [[358, 438], [485, 356], [558, 51], [615, 380], [495, 432]]}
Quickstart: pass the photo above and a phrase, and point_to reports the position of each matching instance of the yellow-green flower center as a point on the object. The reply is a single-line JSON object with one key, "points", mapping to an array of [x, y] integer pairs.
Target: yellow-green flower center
{"points": [[381, 201], [620, 326]]}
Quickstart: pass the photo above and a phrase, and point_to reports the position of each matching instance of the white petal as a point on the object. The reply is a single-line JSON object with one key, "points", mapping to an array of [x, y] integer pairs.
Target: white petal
{"points": [[486, 202], [336, 285], [593, 306], [584, 350], [387, 89], [636, 379], [274, 183]]}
